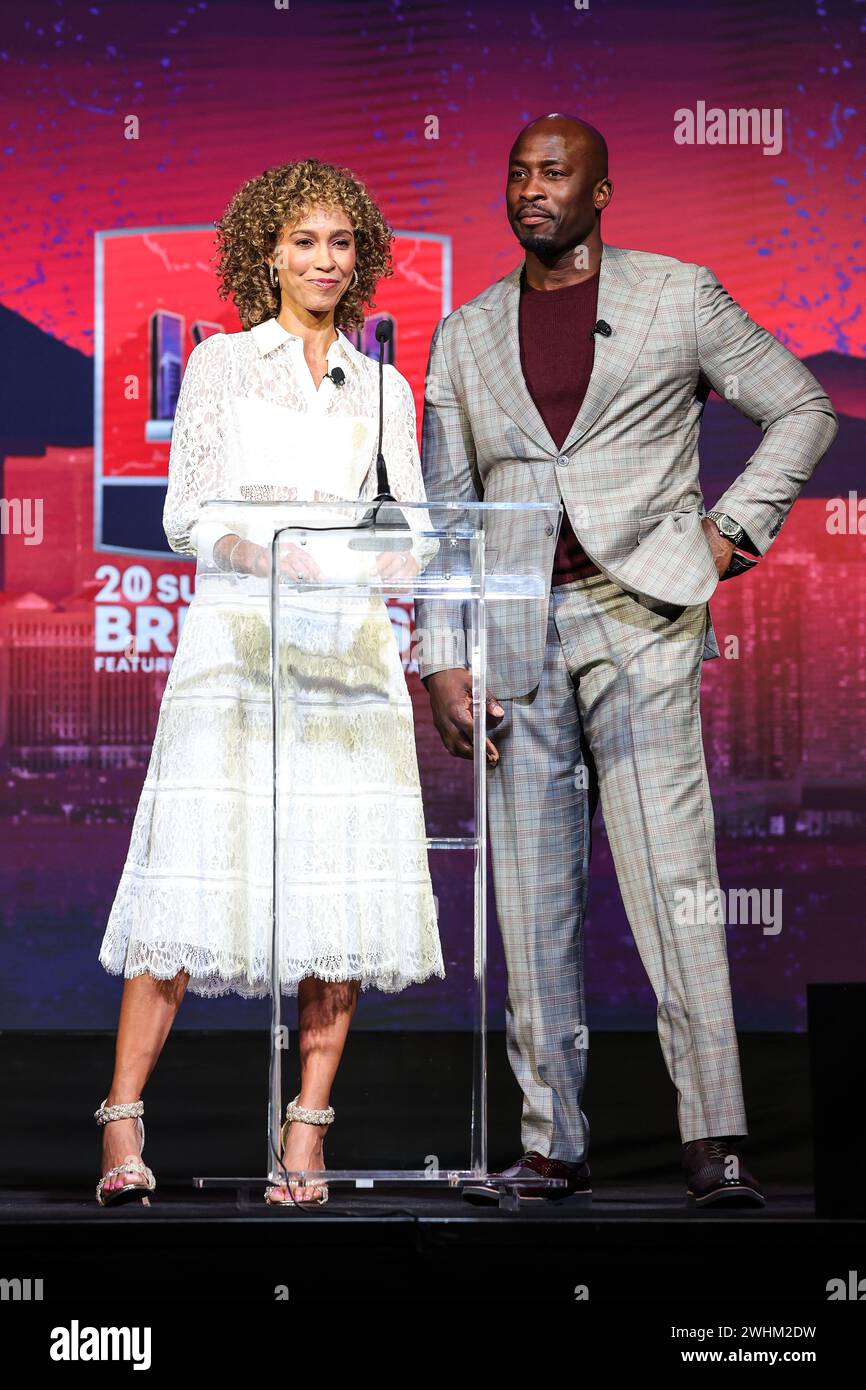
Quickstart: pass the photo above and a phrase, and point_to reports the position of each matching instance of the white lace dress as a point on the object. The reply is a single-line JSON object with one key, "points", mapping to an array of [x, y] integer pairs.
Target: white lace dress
{"points": [[354, 888]]}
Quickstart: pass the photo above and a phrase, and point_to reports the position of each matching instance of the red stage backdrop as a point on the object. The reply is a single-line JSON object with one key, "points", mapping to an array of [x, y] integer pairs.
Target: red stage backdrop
{"points": [[127, 130]]}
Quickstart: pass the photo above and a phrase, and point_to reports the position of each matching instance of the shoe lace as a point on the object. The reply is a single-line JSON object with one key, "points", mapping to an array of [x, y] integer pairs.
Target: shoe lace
{"points": [[719, 1148]]}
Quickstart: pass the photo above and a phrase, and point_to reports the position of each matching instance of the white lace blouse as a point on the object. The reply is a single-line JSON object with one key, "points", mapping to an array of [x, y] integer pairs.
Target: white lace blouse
{"points": [[250, 423]]}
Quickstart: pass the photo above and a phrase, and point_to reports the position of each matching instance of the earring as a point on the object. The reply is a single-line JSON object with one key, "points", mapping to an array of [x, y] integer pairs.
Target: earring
{"points": [[353, 282], [275, 276]]}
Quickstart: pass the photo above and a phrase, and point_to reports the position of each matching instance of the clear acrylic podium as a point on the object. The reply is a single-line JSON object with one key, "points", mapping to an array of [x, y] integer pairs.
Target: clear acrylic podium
{"points": [[336, 625]]}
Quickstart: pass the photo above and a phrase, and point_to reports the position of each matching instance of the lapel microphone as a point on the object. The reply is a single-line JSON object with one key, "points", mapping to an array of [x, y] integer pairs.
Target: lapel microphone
{"points": [[601, 327], [337, 375]]}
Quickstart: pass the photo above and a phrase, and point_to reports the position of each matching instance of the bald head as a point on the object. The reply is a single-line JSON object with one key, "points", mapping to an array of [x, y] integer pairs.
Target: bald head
{"points": [[557, 187], [581, 139]]}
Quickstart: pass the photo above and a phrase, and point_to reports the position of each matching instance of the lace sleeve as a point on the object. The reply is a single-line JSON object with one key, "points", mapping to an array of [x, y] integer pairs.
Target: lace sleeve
{"points": [[400, 447], [197, 459]]}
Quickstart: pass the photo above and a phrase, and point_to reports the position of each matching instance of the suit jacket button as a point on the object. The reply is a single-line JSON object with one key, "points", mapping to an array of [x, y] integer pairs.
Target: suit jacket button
{"points": [[548, 529], [563, 460]]}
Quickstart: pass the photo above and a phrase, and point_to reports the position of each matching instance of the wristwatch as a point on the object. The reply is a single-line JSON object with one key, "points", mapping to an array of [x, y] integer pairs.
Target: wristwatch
{"points": [[730, 529], [733, 532]]}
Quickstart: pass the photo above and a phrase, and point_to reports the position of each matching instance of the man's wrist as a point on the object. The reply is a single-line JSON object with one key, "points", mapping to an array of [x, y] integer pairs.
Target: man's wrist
{"points": [[440, 671], [733, 531], [727, 526]]}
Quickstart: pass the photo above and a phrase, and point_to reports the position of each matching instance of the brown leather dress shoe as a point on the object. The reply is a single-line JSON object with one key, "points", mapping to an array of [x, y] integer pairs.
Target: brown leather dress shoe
{"points": [[713, 1177], [534, 1164]]}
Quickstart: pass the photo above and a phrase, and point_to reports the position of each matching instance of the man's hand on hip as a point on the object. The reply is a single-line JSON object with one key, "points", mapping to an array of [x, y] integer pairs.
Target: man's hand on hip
{"points": [[451, 705], [722, 549]]}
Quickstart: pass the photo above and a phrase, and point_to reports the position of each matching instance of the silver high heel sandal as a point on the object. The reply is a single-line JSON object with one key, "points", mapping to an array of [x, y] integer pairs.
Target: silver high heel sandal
{"points": [[131, 1191], [306, 1117]]}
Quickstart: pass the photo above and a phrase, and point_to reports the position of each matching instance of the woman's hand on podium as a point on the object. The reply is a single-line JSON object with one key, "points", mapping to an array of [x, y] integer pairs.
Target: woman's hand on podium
{"points": [[235, 555], [238, 556], [296, 562], [451, 706], [396, 564]]}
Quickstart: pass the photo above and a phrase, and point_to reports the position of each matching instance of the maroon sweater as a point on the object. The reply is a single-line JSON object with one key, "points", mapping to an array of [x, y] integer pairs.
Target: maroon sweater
{"points": [[556, 353]]}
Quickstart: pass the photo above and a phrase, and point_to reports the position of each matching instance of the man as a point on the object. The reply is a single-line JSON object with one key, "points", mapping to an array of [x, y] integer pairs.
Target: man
{"points": [[582, 375]]}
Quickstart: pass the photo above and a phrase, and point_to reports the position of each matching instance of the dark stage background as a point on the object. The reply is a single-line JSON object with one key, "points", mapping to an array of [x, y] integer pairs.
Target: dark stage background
{"points": [[100, 231]]}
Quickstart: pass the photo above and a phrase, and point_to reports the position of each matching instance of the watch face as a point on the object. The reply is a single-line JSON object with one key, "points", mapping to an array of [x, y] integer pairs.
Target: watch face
{"points": [[728, 527]]}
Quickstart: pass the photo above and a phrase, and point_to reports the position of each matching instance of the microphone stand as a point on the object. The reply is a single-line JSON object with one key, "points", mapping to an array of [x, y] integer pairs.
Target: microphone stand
{"points": [[390, 519]]}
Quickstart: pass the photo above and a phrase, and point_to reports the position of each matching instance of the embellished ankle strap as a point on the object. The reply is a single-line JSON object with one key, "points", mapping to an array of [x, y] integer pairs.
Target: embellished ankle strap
{"points": [[128, 1110], [307, 1116]]}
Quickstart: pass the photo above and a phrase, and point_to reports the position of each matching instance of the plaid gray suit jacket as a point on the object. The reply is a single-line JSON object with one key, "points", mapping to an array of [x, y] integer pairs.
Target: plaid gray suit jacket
{"points": [[628, 471]]}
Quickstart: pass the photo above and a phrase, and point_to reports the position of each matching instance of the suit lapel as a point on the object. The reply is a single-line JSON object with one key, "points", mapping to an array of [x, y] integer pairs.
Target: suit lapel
{"points": [[494, 333], [627, 300]]}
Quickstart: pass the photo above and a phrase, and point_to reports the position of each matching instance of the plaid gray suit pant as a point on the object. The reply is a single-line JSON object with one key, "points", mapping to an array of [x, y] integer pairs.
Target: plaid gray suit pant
{"points": [[616, 715]]}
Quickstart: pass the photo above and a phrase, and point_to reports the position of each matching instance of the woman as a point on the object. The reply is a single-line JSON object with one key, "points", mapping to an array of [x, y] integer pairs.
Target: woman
{"points": [[262, 415]]}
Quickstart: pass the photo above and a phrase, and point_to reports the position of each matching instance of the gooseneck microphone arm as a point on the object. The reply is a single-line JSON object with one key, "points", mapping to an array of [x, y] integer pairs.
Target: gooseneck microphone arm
{"points": [[384, 333], [384, 518]]}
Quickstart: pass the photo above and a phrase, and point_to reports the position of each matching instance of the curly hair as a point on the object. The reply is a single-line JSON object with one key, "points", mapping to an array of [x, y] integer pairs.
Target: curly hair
{"points": [[262, 209]]}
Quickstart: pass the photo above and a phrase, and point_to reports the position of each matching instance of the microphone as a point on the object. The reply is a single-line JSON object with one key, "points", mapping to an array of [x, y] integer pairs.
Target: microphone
{"points": [[601, 327], [337, 375], [390, 517], [384, 333]]}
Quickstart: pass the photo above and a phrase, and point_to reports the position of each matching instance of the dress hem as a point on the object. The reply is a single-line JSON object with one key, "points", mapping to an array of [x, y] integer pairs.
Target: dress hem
{"points": [[214, 987]]}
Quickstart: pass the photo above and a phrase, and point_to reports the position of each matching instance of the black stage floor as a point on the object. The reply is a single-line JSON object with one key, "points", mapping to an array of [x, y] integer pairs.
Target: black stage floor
{"points": [[638, 1276], [637, 1245], [628, 1243]]}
